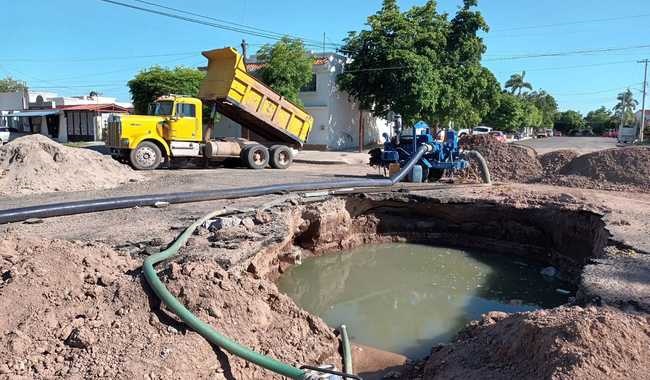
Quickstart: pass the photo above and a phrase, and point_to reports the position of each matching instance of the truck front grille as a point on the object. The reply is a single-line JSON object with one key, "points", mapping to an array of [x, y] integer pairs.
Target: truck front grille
{"points": [[114, 132]]}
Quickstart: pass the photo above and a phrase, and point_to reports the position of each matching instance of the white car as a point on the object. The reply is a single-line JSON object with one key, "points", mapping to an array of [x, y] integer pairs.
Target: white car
{"points": [[481, 130], [4, 135]]}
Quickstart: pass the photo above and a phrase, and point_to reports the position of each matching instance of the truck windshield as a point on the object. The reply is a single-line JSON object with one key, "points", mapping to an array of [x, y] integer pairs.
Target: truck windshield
{"points": [[163, 108]]}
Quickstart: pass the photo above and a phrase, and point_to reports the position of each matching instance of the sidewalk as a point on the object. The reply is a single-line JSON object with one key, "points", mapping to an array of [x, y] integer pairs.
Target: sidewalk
{"points": [[331, 158]]}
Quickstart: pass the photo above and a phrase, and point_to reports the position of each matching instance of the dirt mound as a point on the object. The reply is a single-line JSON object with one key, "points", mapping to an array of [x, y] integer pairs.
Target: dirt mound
{"points": [[507, 162], [554, 162], [37, 164], [81, 311], [561, 343], [629, 165]]}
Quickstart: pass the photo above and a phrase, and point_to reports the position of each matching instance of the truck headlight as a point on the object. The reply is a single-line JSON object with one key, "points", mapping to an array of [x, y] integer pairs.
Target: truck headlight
{"points": [[124, 142]]}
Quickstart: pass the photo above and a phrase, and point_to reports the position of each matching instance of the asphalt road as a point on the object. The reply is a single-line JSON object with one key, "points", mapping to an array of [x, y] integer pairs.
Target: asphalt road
{"points": [[580, 144]]}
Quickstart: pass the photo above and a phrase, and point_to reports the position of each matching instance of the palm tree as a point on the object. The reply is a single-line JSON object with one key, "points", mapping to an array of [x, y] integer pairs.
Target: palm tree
{"points": [[517, 82], [625, 106]]}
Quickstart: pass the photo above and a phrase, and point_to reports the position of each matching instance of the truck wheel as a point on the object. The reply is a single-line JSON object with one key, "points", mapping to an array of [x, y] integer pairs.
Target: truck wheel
{"points": [[146, 156], [281, 157], [255, 156]]}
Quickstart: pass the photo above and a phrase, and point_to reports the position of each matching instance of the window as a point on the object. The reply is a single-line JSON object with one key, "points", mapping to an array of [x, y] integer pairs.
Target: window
{"points": [[162, 108], [311, 86], [185, 110]]}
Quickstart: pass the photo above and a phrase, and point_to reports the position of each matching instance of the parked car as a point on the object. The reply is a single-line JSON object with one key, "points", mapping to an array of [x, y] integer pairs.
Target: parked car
{"points": [[4, 135], [611, 133], [481, 130], [541, 134], [463, 133], [500, 136], [557, 133]]}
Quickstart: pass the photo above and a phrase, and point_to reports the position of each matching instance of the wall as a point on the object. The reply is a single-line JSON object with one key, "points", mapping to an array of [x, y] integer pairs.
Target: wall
{"points": [[12, 101]]}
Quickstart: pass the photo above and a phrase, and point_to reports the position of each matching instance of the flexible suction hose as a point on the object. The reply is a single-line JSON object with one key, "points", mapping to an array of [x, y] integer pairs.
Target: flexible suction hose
{"points": [[210, 333], [193, 322], [94, 205], [347, 351]]}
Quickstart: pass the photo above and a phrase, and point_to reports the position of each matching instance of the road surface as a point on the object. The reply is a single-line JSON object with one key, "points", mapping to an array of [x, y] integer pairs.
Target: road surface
{"points": [[580, 144]]}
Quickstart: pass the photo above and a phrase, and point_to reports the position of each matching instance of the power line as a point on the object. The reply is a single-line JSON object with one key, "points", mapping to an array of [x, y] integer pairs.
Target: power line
{"points": [[566, 53], [246, 30], [98, 59], [572, 23], [279, 35]]}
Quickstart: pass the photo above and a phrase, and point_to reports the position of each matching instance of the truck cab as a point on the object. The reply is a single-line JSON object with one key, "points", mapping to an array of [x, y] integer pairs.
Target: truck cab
{"points": [[172, 127]]}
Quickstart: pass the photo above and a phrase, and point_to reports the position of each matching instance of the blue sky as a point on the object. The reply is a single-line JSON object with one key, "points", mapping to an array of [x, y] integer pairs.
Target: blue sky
{"points": [[74, 46]]}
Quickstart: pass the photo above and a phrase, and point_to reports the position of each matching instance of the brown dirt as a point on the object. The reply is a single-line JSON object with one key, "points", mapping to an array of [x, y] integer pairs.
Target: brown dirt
{"points": [[554, 162], [621, 169], [37, 164], [79, 310], [561, 343], [507, 162]]}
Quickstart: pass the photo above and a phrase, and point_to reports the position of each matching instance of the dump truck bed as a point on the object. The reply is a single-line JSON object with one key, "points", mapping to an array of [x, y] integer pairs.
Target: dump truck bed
{"points": [[247, 101]]}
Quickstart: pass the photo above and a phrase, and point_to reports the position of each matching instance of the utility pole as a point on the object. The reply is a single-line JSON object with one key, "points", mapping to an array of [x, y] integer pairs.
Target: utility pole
{"points": [[244, 49], [645, 85]]}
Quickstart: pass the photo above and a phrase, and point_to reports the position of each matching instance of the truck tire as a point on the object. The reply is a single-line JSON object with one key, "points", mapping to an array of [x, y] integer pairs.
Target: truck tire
{"points": [[255, 156], [281, 157], [147, 156]]}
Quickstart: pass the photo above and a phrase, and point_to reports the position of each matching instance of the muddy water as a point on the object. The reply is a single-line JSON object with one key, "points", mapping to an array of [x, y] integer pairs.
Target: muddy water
{"points": [[405, 298]]}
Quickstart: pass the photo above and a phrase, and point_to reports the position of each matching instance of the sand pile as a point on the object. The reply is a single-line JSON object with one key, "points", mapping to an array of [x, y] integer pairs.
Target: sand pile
{"points": [[562, 343], [507, 162], [79, 310], [37, 164]]}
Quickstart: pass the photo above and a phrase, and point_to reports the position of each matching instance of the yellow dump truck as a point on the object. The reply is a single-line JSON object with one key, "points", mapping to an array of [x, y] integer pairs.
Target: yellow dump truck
{"points": [[174, 124]]}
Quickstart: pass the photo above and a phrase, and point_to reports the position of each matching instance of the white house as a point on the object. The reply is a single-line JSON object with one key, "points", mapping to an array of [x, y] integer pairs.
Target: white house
{"points": [[77, 118], [336, 117]]}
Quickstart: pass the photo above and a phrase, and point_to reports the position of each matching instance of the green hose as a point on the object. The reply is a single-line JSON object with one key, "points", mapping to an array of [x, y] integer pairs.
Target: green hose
{"points": [[347, 351], [198, 325]]}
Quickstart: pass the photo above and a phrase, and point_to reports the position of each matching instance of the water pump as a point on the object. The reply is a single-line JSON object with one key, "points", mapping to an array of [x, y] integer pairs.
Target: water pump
{"points": [[443, 153]]}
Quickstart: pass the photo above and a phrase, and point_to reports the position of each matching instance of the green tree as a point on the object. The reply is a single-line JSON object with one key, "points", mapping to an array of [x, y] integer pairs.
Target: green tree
{"points": [[547, 106], [510, 115], [420, 64], [288, 67], [569, 121], [517, 82], [156, 81], [9, 84], [600, 120], [624, 109]]}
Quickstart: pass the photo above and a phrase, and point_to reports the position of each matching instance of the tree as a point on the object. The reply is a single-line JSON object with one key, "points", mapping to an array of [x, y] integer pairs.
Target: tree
{"points": [[600, 120], [9, 84], [288, 67], [156, 81], [547, 106], [517, 82], [421, 65], [569, 121], [624, 109], [509, 116]]}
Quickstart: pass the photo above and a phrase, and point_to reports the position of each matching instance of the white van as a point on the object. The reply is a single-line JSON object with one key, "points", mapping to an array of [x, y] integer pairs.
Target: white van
{"points": [[481, 130]]}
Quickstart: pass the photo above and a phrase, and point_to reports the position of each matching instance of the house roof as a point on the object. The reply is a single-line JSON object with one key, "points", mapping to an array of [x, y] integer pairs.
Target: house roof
{"points": [[94, 108], [253, 67]]}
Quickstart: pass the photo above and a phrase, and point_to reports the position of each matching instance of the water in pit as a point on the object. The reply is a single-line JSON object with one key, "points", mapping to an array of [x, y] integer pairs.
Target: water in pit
{"points": [[405, 298]]}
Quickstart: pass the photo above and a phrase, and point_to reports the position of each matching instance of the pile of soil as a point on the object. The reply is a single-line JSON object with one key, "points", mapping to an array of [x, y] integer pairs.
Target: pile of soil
{"points": [[507, 162], [561, 343], [554, 162], [82, 310], [37, 164], [621, 169]]}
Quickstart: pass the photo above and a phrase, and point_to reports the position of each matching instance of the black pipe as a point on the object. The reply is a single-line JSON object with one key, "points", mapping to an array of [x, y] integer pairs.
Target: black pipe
{"points": [[105, 204]]}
